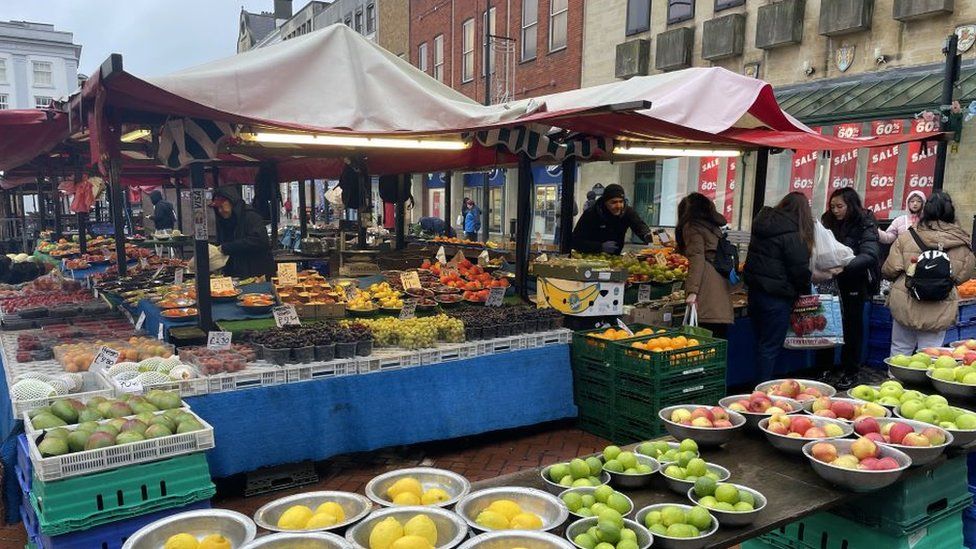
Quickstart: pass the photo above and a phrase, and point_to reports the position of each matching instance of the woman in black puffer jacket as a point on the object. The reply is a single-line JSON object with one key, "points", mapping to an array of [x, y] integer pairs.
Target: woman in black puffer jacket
{"points": [[854, 227], [777, 271]]}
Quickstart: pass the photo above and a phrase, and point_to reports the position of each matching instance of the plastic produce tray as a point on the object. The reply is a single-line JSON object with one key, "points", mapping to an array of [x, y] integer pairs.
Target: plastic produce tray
{"points": [[93, 461], [29, 424], [666, 367], [587, 347], [829, 531], [248, 378], [93, 385], [644, 402]]}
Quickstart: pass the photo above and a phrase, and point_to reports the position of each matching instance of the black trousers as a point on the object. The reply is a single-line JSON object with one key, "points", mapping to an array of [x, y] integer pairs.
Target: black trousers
{"points": [[852, 311]]}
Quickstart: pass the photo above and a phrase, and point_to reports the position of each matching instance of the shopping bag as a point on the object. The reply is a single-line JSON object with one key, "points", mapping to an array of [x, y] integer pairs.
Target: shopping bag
{"points": [[815, 323], [828, 253], [690, 323]]}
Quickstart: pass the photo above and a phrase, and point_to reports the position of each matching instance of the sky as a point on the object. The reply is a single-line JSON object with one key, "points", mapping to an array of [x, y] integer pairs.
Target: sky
{"points": [[155, 37]]}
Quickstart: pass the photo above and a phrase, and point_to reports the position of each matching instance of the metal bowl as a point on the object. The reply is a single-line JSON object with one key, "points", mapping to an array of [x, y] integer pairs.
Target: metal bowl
{"points": [[676, 543], [673, 445], [920, 455], [704, 436], [644, 538], [635, 480], [856, 480], [449, 481], [905, 374], [794, 445], [354, 505], [549, 508], [735, 518], [855, 402], [508, 539], [681, 486], [556, 488], [951, 388], [237, 528], [305, 540], [960, 438], [847, 394], [583, 490], [825, 390], [451, 529], [752, 418]]}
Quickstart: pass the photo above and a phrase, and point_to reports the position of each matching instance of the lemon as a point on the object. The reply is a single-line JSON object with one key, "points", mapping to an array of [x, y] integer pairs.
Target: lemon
{"points": [[320, 520], [294, 518], [505, 507], [385, 533], [406, 484], [333, 509], [181, 541], [214, 541], [526, 521], [434, 495], [406, 498], [492, 520], [422, 526], [411, 542]]}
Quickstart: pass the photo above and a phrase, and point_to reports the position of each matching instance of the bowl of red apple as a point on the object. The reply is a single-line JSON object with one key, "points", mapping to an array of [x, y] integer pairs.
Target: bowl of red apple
{"points": [[759, 405], [790, 433], [803, 390], [706, 425], [847, 409], [860, 465], [919, 441]]}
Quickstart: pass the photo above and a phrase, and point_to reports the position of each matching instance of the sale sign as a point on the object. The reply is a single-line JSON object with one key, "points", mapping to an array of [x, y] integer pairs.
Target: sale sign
{"points": [[729, 187], [920, 169], [882, 167], [843, 163], [708, 176], [803, 171]]}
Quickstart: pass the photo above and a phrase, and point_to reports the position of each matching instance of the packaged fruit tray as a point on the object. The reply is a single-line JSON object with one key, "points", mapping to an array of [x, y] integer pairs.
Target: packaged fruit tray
{"points": [[62, 408], [111, 457], [76, 357], [92, 386], [693, 356], [251, 376], [587, 346]]}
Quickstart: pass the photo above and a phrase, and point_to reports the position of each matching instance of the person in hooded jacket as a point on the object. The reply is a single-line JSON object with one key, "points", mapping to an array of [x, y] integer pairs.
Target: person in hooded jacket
{"points": [[697, 233], [901, 224], [163, 216], [242, 236], [777, 271], [603, 226], [854, 227], [920, 324]]}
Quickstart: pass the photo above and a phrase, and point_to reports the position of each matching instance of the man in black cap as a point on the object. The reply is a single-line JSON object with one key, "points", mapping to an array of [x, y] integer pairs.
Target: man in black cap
{"points": [[242, 236], [163, 216], [604, 225]]}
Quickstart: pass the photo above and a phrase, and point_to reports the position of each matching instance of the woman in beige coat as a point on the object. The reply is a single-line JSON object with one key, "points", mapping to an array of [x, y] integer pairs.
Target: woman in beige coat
{"points": [[920, 324], [698, 232]]}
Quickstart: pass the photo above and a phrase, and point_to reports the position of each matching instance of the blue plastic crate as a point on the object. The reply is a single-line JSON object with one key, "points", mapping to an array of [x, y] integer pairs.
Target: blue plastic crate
{"points": [[971, 469], [969, 528], [25, 473], [966, 330], [967, 313]]}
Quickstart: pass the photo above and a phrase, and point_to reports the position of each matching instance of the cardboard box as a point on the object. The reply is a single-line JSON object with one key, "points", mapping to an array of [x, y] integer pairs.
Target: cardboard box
{"points": [[582, 274], [321, 312], [664, 316], [579, 298]]}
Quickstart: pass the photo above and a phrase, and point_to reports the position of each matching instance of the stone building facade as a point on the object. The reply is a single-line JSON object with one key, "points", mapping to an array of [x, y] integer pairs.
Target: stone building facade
{"points": [[38, 64]]}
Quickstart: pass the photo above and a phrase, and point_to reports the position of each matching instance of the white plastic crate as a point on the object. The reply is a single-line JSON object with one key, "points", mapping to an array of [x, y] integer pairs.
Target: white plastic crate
{"points": [[93, 461], [30, 430], [252, 376], [366, 365]]}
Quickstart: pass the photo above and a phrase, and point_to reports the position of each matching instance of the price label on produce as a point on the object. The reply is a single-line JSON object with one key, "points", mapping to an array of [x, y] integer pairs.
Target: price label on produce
{"points": [[441, 255], [106, 358], [410, 279], [409, 309], [221, 284], [449, 272], [141, 320], [458, 258], [287, 274], [659, 258], [285, 315], [624, 327], [129, 386], [496, 296], [483, 258], [159, 270], [178, 277], [218, 341], [643, 293]]}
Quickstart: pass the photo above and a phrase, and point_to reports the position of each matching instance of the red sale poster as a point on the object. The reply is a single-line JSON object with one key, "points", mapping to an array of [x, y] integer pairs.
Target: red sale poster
{"points": [[803, 172], [882, 167], [843, 163], [729, 188], [920, 169], [708, 176]]}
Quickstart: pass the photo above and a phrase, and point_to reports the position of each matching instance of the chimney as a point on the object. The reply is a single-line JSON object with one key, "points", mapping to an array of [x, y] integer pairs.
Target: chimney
{"points": [[282, 9]]}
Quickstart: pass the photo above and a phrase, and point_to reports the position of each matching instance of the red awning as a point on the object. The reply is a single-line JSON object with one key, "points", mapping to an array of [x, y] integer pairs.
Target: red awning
{"points": [[25, 134]]}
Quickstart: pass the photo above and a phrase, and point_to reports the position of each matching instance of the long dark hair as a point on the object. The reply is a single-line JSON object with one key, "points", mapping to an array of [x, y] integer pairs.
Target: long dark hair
{"points": [[796, 206], [855, 211], [938, 208], [696, 208]]}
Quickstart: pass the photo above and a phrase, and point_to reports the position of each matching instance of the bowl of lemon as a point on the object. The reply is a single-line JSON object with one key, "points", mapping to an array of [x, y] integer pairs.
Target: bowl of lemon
{"points": [[313, 512], [418, 486], [200, 529], [512, 508], [408, 528], [304, 540]]}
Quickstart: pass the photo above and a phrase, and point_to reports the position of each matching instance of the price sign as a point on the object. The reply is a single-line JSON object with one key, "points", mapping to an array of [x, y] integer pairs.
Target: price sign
{"points": [[141, 321], [159, 331], [542, 258], [198, 203], [287, 274], [178, 277], [106, 358], [449, 272], [129, 386], [483, 258], [643, 293], [218, 341], [624, 327], [285, 315], [409, 309], [441, 255], [410, 279], [458, 258], [351, 292], [496, 296], [659, 258], [221, 284]]}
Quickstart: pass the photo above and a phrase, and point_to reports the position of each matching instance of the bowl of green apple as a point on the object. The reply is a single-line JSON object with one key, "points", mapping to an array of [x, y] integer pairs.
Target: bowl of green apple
{"points": [[935, 410], [667, 452]]}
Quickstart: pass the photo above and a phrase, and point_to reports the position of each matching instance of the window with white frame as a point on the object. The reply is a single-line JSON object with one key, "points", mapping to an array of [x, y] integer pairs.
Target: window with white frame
{"points": [[530, 28], [4, 102], [370, 18], [3, 70], [42, 73], [42, 101], [422, 57], [467, 50], [439, 57], [488, 20], [558, 23]]}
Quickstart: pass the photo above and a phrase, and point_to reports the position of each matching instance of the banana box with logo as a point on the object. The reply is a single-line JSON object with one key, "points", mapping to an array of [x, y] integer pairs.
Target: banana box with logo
{"points": [[579, 287]]}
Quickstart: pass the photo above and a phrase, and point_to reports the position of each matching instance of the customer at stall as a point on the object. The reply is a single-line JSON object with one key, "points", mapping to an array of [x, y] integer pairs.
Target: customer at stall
{"points": [[919, 324], [697, 233], [472, 219], [901, 224], [242, 235], [854, 227], [603, 226], [163, 217], [777, 271], [436, 226]]}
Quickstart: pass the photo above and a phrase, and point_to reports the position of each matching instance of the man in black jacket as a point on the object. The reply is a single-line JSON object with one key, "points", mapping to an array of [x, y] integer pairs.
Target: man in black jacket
{"points": [[603, 226], [242, 236], [163, 216]]}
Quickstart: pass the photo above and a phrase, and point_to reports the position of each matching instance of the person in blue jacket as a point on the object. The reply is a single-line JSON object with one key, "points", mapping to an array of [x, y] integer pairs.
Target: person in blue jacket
{"points": [[472, 220]]}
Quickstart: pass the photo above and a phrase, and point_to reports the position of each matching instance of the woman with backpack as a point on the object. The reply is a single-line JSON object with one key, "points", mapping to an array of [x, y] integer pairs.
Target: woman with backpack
{"points": [[923, 298], [698, 233], [854, 227]]}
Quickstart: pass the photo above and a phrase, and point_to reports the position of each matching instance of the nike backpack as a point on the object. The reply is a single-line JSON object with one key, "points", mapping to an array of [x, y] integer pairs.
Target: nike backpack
{"points": [[932, 279]]}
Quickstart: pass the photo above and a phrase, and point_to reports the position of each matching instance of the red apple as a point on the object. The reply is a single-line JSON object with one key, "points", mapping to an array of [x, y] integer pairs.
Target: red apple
{"points": [[865, 425], [864, 448], [876, 437], [868, 464], [701, 421], [936, 436], [898, 432], [803, 397], [777, 428], [759, 405], [825, 413], [821, 403], [813, 391], [758, 394], [886, 463], [719, 413], [800, 424], [722, 424], [789, 388], [702, 412], [915, 439], [814, 432], [824, 451], [843, 409]]}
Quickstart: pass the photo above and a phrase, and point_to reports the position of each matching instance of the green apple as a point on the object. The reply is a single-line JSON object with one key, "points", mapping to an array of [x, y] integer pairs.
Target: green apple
{"points": [[911, 394], [893, 391], [945, 362], [864, 392], [966, 421], [926, 416], [923, 358], [935, 399], [900, 360], [918, 365]]}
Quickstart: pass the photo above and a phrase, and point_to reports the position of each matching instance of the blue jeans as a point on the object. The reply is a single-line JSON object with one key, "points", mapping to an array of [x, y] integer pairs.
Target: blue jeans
{"points": [[770, 317]]}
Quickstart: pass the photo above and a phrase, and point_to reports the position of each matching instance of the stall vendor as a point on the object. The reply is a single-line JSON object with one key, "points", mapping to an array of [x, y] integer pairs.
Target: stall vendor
{"points": [[603, 226], [241, 235], [436, 226]]}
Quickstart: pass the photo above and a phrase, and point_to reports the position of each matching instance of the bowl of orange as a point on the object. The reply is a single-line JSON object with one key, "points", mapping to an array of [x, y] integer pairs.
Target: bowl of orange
{"points": [[225, 295], [185, 313], [256, 303]]}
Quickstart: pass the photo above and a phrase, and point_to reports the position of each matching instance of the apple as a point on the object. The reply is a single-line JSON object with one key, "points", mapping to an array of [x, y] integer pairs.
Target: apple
{"points": [[971, 344], [777, 428], [890, 391], [833, 430], [821, 403], [680, 415], [783, 420], [969, 357], [719, 413], [898, 432], [863, 448], [826, 413], [722, 424], [702, 413], [738, 406], [875, 437], [885, 464], [801, 424], [933, 400], [886, 429], [759, 405], [814, 432], [843, 409], [910, 408], [846, 461], [915, 439], [824, 451], [794, 435], [873, 409], [864, 392], [892, 383], [866, 424], [867, 464], [900, 360], [936, 436], [911, 394], [775, 410], [789, 388], [701, 421]]}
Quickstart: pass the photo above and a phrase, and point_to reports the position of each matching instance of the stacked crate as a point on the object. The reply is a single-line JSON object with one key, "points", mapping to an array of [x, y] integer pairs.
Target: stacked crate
{"points": [[619, 389]]}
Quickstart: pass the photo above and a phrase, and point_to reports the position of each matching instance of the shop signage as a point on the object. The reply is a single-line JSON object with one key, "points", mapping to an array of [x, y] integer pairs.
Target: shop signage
{"points": [[843, 163], [218, 341], [730, 169], [285, 315], [441, 255], [920, 168], [879, 189], [178, 277], [409, 309], [129, 386], [708, 176], [410, 279], [803, 171], [221, 284], [199, 209], [643, 293], [496, 297]]}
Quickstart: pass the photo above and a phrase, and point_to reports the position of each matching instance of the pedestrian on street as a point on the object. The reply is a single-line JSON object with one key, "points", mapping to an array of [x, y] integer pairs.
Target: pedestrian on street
{"points": [[698, 232], [472, 220]]}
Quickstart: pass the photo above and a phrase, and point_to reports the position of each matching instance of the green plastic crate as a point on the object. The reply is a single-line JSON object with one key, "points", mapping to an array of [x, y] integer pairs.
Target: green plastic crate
{"points": [[627, 430], [668, 367], [596, 426], [78, 503], [758, 543], [644, 402], [914, 502], [587, 347], [830, 531]]}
